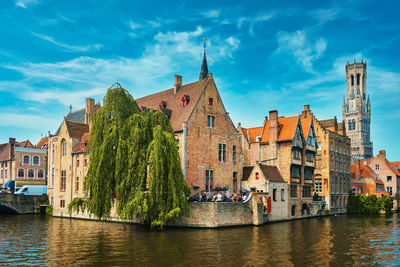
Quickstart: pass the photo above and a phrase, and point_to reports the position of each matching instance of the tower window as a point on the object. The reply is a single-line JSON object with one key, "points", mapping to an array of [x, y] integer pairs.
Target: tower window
{"points": [[358, 91], [358, 79], [352, 80], [210, 102]]}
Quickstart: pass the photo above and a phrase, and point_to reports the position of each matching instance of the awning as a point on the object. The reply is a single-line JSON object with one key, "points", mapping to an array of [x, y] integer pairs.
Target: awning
{"points": [[10, 184]]}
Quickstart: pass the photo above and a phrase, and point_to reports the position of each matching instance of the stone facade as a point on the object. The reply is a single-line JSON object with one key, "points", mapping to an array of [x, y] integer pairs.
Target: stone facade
{"points": [[64, 149], [23, 163], [258, 179], [289, 144], [389, 174], [332, 168], [357, 111]]}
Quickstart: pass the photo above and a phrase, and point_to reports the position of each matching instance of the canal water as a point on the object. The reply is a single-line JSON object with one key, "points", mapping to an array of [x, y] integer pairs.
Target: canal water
{"points": [[336, 241]]}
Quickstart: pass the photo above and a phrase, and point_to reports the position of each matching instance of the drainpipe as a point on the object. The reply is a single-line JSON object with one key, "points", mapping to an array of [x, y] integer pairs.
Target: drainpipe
{"points": [[184, 150], [72, 165]]}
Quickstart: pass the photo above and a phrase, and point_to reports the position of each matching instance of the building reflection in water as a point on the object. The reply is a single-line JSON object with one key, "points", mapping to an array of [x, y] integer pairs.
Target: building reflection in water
{"points": [[340, 240]]}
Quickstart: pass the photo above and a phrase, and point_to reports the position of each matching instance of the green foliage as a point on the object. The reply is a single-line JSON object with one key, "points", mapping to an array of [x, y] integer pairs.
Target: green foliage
{"points": [[133, 154], [49, 210], [363, 204]]}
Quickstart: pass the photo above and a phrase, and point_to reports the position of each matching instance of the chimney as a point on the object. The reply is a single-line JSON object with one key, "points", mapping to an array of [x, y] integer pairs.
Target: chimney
{"points": [[11, 148], [306, 111], [178, 83], [382, 153], [90, 109], [273, 126]]}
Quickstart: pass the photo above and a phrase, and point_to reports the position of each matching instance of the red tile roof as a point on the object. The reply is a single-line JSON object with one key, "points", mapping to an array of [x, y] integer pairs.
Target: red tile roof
{"points": [[178, 113], [305, 125], [365, 172], [77, 129], [82, 145], [42, 141], [396, 163], [252, 133], [393, 167]]}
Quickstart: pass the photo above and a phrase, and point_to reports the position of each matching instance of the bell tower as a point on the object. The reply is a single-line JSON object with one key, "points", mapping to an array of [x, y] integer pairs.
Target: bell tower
{"points": [[357, 111]]}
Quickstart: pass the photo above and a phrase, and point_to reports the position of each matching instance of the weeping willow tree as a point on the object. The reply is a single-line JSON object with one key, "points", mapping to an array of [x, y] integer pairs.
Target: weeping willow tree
{"points": [[134, 155]]}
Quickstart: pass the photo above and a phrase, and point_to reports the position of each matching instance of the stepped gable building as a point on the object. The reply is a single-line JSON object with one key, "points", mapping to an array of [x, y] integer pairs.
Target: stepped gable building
{"points": [[389, 172], [332, 165], [365, 181], [207, 140], [266, 178], [64, 149], [357, 111], [22, 164], [289, 144]]}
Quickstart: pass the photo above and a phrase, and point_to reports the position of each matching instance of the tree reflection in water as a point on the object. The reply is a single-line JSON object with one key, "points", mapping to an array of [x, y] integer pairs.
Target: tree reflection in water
{"points": [[340, 240]]}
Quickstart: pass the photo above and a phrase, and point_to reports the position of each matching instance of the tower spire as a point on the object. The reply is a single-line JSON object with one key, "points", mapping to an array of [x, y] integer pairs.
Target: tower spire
{"points": [[204, 67]]}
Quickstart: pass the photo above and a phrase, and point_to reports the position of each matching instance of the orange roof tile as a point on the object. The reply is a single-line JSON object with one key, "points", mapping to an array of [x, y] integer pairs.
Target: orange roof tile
{"points": [[393, 167], [365, 172], [42, 141], [288, 128], [81, 146], [305, 125], [252, 133], [77, 129], [396, 163]]}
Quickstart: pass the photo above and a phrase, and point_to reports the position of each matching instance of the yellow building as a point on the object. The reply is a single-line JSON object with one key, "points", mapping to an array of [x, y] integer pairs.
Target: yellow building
{"points": [[332, 167]]}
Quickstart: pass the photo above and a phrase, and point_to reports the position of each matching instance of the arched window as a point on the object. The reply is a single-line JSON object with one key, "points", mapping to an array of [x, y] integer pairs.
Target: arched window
{"points": [[353, 122], [31, 173], [27, 159], [358, 79], [293, 210], [352, 80], [40, 174], [35, 160], [257, 176], [64, 148], [21, 173]]}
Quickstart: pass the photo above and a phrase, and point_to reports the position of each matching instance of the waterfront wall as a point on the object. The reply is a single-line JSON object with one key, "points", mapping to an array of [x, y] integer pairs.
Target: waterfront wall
{"points": [[22, 204], [218, 214]]}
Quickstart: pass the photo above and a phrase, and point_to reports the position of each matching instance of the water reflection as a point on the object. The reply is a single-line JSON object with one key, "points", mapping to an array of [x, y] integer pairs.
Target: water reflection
{"points": [[340, 240]]}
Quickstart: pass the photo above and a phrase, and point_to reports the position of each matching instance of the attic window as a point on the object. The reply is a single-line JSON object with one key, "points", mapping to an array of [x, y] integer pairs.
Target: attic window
{"points": [[163, 104], [210, 102], [257, 176], [185, 100]]}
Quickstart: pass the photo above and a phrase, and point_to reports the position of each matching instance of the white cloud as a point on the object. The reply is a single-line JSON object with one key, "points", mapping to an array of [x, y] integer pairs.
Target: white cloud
{"points": [[214, 13], [304, 51], [326, 14], [26, 3], [252, 21], [134, 25], [27, 121], [73, 80], [67, 47]]}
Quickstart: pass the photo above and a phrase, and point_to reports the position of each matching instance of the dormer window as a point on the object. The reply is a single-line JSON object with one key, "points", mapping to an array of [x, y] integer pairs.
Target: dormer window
{"points": [[210, 102], [185, 100]]}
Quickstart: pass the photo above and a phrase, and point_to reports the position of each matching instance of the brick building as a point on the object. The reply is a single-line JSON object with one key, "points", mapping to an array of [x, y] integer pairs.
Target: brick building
{"points": [[65, 149], [332, 166], [208, 142], [21, 163], [264, 178], [389, 174], [365, 181], [289, 144]]}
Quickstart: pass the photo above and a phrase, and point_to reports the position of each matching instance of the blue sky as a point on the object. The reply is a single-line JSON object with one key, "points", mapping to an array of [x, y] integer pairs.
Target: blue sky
{"points": [[264, 55]]}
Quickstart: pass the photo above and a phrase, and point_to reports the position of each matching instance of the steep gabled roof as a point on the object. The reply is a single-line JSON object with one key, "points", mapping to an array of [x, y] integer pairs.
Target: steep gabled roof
{"points": [[287, 130], [246, 172], [76, 129], [305, 125], [365, 172], [25, 143], [396, 163], [272, 173], [251, 133], [393, 167], [42, 142], [173, 101]]}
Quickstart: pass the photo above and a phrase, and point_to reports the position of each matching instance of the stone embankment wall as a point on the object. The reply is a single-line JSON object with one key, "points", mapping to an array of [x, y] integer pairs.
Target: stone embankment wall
{"points": [[217, 214], [22, 204]]}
